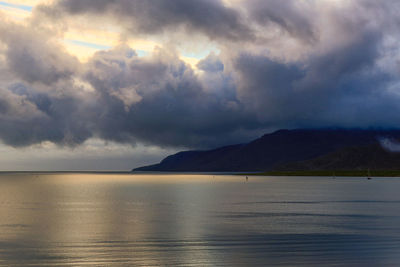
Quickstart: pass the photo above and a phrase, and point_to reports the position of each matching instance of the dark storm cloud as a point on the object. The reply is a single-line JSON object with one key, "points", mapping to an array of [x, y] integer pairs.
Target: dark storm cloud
{"points": [[291, 16], [40, 102], [344, 72], [28, 117], [34, 57], [211, 64], [343, 87], [169, 106], [210, 17], [156, 100]]}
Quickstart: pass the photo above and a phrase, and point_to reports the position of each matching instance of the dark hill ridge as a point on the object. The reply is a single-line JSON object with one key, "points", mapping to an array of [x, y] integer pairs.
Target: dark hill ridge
{"points": [[372, 157], [289, 150]]}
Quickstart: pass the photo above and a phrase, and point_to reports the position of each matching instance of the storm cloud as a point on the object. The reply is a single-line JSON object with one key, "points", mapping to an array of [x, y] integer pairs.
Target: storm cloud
{"points": [[280, 65], [210, 17]]}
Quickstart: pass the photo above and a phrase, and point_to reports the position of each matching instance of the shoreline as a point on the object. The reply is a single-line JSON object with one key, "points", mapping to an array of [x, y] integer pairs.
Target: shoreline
{"points": [[322, 173], [329, 173]]}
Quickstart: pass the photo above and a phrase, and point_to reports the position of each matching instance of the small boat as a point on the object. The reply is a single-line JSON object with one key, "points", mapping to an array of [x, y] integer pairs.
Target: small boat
{"points": [[369, 175]]}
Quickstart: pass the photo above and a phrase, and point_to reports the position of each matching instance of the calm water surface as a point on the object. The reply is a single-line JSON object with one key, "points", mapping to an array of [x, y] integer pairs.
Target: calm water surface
{"points": [[198, 220]]}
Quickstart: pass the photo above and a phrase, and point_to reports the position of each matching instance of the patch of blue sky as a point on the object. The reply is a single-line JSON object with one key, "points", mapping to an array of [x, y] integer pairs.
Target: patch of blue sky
{"points": [[202, 54], [87, 44], [22, 7], [141, 53]]}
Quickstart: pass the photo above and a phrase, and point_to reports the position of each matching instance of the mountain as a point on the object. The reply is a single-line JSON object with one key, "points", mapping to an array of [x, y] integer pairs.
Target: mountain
{"points": [[291, 150], [372, 157]]}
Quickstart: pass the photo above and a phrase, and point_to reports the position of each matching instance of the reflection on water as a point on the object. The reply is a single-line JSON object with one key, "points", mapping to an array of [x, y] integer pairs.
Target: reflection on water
{"points": [[197, 220]]}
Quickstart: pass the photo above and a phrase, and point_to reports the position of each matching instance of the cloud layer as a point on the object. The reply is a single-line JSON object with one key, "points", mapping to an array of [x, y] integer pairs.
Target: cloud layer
{"points": [[209, 17], [282, 64]]}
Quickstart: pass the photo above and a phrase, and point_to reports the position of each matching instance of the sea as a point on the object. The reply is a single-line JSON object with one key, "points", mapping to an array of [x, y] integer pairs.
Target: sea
{"points": [[121, 219]]}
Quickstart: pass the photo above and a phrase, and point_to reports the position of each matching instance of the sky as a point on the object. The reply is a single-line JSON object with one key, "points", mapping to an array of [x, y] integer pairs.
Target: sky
{"points": [[112, 85]]}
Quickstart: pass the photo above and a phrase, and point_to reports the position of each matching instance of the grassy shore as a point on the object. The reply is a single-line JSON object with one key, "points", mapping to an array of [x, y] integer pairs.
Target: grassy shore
{"points": [[351, 173]]}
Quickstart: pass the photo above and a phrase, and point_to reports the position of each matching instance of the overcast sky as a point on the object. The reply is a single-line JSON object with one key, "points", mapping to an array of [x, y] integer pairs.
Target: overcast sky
{"points": [[112, 85]]}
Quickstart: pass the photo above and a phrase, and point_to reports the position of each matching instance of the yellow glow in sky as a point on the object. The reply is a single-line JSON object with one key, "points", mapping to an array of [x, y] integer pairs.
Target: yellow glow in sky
{"points": [[14, 13], [83, 39]]}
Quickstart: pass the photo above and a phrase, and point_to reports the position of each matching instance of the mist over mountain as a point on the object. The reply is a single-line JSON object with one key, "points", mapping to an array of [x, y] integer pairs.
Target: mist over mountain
{"points": [[301, 149]]}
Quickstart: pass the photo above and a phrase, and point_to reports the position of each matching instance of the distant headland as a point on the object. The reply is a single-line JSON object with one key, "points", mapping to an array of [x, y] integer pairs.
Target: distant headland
{"points": [[300, 151]]}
